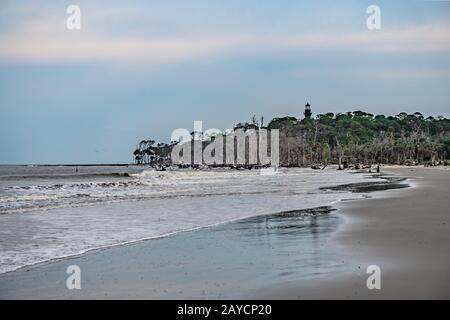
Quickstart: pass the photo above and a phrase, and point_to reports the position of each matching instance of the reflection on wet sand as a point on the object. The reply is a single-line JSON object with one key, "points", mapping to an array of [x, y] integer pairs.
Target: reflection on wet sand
{"points": [[226, 261], [231, 260]]}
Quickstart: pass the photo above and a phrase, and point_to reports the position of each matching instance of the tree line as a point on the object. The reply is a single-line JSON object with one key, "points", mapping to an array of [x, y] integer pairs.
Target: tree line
{"points": [[351, 138], [362, 138]]}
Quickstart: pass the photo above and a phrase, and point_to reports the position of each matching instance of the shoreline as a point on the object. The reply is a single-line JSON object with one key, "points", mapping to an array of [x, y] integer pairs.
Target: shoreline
{"points": [[282, 293], [208, 253], [247, 212], [303, 212], [405, 232], [386, 184]]}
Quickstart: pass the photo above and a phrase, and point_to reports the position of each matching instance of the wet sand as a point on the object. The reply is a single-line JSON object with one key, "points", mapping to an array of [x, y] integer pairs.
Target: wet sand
{"points": [[406, 234], [233, 260], [312, 254]]}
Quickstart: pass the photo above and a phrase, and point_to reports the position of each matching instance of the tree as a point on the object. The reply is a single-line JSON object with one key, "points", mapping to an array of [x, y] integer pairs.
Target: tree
{"points": [[352, 137]]}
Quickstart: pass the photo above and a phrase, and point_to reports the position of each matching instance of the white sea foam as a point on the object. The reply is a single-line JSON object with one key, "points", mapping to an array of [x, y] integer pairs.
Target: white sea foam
{"points": [[44, 219]]}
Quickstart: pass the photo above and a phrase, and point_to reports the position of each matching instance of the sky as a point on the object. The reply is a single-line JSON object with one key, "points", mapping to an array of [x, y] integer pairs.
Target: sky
{"points": [[141, 69]]}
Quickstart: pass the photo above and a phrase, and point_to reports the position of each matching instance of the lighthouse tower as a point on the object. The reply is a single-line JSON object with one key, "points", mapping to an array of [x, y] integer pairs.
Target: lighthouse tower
{"points": [[308, 112]]}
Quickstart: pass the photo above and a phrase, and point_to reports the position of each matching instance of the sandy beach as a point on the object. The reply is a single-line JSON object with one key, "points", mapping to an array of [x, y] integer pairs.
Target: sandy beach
{"points": [[290, 255], [225, 150], [406, 233]]}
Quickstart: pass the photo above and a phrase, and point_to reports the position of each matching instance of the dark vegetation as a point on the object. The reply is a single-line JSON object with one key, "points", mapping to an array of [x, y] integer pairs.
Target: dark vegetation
{"points": [[357, 139], [362, 138]]}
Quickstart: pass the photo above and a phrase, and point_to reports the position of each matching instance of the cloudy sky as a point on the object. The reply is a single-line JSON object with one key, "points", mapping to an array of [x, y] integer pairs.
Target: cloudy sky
{"points": [[140, 69]]}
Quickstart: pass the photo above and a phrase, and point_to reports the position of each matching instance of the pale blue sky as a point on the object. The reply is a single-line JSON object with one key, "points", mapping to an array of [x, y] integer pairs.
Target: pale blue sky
{"points": [[140, 69]]}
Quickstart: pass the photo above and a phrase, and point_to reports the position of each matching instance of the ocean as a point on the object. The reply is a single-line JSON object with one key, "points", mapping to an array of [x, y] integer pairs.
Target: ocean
{"points": [[50, 212]]}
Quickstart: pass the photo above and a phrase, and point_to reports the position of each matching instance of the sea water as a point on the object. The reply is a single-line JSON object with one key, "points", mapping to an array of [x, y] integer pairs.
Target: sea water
{"points": [[50, 212]]}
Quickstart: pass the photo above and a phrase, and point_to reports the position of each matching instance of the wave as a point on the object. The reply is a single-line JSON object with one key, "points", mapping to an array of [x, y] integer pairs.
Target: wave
{"points": [[41, 233], [87, 185], [65, 176], [288, 214], [84, 200]]}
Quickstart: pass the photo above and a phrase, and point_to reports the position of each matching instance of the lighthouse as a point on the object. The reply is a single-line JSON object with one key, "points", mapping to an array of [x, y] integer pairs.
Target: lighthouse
{"points": [[308, 112]]}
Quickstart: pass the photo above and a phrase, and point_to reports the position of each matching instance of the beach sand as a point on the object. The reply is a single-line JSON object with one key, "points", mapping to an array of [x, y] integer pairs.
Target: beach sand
{"points": [[406, 232]]}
